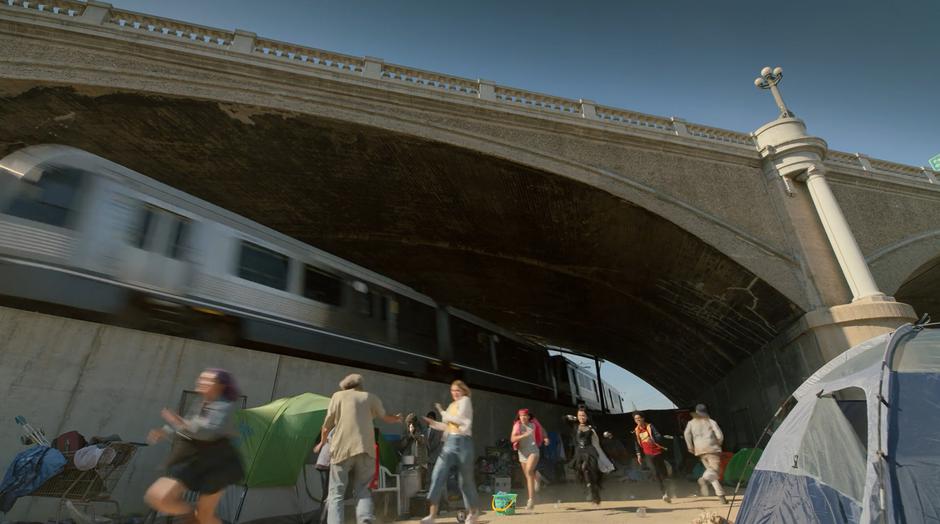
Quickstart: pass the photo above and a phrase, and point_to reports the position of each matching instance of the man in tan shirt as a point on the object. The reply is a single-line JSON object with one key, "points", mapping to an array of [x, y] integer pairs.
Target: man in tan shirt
{"points": [[352, 447]]}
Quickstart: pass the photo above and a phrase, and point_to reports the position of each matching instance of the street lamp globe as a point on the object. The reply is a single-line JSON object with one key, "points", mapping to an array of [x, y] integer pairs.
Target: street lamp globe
{"points": [[765, 71], [778, 71]]}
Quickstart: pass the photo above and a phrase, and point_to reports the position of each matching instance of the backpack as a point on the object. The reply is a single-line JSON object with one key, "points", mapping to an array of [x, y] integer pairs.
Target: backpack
{"points": [[69, 442]]}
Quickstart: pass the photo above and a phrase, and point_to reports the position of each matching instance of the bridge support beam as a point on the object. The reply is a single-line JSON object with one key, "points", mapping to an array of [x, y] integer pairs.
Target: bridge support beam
{"points": [[849, 309], [790, 153]]}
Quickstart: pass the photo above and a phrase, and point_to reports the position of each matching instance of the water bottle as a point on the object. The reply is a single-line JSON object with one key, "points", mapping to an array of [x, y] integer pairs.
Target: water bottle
{"points": [[641, 512]]}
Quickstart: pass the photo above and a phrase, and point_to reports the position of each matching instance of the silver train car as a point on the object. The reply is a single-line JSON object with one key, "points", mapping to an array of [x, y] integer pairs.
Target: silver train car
{"points": [[85, 237], [579, 386]]}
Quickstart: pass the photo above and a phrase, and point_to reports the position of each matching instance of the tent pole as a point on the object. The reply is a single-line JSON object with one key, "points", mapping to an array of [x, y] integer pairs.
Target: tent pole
{"points": [[238, 512], [300, 504], [750, 455]]}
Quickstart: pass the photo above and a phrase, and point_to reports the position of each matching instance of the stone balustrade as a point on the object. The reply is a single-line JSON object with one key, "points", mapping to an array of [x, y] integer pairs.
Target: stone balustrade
{"points": [[169, 27], [308, 55], [537, 100], [56, 7], [632, 118], [102, 13], [428, 79]]}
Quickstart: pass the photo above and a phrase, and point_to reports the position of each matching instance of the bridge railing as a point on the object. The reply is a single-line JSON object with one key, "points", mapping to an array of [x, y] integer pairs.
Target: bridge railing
{"points": [[101, 13], [55, 7]]}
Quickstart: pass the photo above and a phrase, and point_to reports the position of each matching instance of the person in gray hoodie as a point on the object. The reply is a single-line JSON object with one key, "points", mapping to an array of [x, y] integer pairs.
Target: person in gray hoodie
{"points": [[703, 437]]}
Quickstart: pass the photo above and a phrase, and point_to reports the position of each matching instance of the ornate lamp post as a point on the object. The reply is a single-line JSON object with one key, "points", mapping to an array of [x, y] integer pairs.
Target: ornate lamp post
{"points": [[769, 79]]}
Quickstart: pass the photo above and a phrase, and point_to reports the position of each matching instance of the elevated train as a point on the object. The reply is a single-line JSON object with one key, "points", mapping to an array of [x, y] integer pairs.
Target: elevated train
{"points": [[85, 236]]}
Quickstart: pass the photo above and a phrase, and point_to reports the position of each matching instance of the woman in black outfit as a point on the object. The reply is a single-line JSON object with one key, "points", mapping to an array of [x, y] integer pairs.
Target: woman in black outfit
{"points": [[589, 460], [202, 458]]}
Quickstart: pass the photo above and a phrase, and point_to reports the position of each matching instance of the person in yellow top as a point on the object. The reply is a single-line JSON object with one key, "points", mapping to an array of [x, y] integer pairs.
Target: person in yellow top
{"points": [[456, 423]]}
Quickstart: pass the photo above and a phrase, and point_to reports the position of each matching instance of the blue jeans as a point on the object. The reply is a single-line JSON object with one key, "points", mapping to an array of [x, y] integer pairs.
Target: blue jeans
{"points": [[458, 450], [357, 470]]}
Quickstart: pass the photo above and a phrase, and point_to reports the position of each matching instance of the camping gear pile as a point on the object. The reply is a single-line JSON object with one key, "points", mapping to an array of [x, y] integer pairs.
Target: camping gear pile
{"points": [[74, 471], [860, 442]]}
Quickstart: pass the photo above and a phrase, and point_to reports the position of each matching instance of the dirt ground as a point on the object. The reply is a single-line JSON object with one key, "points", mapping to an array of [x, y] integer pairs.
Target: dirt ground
{"points": [[566, 503]]}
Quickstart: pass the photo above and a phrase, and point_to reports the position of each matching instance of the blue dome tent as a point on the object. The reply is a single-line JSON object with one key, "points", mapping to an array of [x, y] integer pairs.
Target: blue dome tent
{"points": [[861, 444]]}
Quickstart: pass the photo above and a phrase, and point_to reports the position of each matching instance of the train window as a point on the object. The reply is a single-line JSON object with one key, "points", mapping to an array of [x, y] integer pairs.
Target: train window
{"points": [[364, 304], [51, 200], [144, 228], [263, 266], [471, 344], [417, 328], [177, 247], [322, 287]]}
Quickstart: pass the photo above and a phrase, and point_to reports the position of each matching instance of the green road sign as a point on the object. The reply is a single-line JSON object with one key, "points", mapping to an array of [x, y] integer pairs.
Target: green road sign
{"points": [[935, 163]]}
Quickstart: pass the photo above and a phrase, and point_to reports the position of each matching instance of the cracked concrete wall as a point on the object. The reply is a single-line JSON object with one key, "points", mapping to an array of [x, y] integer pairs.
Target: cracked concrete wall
{"points": [[64, 374]]}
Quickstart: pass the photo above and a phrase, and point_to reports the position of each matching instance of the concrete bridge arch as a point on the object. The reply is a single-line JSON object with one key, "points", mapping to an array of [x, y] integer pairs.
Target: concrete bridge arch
{"points": [[337, 159]]}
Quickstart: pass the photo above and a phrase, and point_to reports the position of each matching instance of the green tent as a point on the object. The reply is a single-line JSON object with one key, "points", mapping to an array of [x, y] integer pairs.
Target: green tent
{"points": [[739, 469], [277, 437]]}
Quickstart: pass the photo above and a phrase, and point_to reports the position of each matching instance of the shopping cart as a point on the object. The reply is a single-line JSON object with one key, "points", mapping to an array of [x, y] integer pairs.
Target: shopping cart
{"points": [[87, 488]]}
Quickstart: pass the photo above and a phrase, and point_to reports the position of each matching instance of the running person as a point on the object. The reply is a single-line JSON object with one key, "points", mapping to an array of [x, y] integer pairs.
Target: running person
{"points": [[526, 437], [457, 422], [589, 459], [202, 458], [648, 448]]}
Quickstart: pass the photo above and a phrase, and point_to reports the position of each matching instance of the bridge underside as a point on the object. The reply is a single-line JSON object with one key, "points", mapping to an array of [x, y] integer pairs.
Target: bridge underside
{"points": [[553, 259]]}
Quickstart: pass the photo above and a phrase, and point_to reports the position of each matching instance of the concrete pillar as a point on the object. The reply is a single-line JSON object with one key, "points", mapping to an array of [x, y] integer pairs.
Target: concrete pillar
{"points": [[96, 13], [243, 41], [372, 67], [679, 125], [929, 174], [588, 109], [854, 268], [487, 90], [863, 161], [791, 153]]}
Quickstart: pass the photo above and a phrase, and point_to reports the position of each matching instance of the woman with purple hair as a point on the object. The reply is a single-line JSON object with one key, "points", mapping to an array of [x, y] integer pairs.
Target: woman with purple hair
{"points": [[202, 458]]}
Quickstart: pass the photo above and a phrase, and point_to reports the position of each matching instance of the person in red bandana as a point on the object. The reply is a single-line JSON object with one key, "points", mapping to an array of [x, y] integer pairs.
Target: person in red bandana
{"points": [[526, 437]]}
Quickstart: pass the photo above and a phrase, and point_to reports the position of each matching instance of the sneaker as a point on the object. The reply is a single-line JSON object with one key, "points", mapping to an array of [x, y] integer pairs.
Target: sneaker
{"points": [[667, 498], [530, 505], [473, 518], [722, 499], [427, 520]]}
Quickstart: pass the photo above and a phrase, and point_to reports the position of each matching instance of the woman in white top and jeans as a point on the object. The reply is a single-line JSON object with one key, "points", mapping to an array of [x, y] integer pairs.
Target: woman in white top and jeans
{"points": [[456, 423]]}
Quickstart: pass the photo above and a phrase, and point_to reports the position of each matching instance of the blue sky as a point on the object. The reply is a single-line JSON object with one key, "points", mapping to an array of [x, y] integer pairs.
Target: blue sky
{"points": [[863, 74]]}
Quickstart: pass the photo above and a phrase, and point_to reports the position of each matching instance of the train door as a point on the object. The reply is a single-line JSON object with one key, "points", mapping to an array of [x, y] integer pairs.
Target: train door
{"points": [[157, 251]]}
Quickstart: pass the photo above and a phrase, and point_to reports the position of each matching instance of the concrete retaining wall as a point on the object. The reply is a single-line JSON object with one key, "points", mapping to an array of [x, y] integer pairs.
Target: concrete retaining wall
{"points": [[64, 374]]}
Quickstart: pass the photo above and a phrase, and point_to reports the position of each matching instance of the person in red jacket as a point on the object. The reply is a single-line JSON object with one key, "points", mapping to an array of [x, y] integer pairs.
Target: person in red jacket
{"points": [[648, 448], [527, 435]]}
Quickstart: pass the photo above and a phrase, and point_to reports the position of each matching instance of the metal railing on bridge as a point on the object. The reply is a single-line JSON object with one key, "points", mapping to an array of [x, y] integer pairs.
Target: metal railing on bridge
{"points": [[246, 42]]}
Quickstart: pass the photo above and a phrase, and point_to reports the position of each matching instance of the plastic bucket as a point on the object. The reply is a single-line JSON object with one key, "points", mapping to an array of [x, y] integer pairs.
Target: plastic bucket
{"points": [[504, 503]]}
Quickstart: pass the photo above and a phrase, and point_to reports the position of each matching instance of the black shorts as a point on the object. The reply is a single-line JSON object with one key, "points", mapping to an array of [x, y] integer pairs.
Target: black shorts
{"points": [[204, 467]]}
